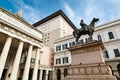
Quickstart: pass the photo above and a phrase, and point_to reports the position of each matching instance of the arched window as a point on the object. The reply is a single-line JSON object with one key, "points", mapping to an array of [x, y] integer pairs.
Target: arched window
{"points": [[111, 36], [99, 38], [117, 53], [111, 70], [118, 67], [65, 72]]}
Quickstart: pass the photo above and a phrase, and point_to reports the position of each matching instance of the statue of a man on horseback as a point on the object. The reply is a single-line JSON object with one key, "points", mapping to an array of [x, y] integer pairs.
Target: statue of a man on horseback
{"points": [[86, 29]]}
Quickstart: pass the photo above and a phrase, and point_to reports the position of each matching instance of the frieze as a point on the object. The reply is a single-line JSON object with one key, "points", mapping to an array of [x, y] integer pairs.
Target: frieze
{"points": [[88, 70], [95, 70], [13, 31], [70, 71], [104, 70], [82, 71], [75, 70], [6, 28]]}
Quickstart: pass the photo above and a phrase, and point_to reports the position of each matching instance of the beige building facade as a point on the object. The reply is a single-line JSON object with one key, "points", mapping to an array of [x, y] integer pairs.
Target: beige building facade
{"points": [[21, 49], [55, 26]]}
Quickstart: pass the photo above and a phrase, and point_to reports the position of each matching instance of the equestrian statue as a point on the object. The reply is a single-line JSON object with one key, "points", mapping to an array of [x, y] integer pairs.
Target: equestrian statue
{"points": [[85, 29]]}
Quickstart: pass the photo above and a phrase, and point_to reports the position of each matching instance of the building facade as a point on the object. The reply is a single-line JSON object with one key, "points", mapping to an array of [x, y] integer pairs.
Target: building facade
{"points": [[53, 27], [107, 33], [21, 49]]}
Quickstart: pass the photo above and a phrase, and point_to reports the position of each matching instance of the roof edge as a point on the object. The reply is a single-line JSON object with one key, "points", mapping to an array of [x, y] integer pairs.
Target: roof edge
{"points": [[59, 12]]}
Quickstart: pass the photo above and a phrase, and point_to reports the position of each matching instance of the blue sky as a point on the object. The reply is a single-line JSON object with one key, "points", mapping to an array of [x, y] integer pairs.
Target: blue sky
{"points": [[35, 10]]}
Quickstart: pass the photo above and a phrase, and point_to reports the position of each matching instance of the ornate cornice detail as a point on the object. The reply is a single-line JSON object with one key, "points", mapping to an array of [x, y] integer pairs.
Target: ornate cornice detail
{"points": [[18, 33]]}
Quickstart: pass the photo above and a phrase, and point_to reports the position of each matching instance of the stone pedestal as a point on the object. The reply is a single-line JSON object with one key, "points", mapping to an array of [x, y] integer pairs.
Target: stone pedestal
{"points": [[88, 63]]}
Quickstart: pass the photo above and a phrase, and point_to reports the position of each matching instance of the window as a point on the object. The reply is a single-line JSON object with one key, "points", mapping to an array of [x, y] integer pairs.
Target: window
{"points": [[58, 61], [32, 60], [73, 43], [64, 46], [58, 48], [81, 41], [111, 36], [70, 44], [117, 53], [118, 67], [39, 62], [65, 72], [106, 54], [99, 38], [65, 60]]}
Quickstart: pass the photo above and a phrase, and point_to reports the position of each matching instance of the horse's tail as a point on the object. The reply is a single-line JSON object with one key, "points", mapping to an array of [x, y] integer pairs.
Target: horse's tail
{"points": [[75, 33]]}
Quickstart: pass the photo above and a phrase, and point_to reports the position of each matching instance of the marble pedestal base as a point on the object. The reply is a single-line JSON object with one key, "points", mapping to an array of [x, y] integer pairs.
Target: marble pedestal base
{"points": [[90, 72], [88, 63]]}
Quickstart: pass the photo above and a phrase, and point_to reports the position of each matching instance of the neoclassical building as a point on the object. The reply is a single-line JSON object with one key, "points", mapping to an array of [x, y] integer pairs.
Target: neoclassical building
{"points": [[108, 33], [23, 56]]}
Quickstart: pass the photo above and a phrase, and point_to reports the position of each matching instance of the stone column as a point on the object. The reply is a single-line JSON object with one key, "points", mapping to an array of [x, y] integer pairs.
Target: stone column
{"points": [[41, 73], [46, 75], [4, 54], [16, 62], [35, 71], [27, 64]]}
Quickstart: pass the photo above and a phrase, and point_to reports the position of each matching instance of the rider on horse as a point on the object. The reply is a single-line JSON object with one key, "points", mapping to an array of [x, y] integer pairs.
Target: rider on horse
{"points": [[83, 25]]}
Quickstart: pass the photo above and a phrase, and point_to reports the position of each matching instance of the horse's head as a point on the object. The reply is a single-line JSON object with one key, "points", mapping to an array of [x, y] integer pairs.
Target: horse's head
{"points": [[95, 19], [93, 22]]}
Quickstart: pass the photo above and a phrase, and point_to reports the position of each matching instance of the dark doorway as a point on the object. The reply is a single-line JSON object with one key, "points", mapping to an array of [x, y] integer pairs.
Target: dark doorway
{"points": [[58, 74], [50, 75], [4, 74], [30, 74], [38, 75], [44, 75]]}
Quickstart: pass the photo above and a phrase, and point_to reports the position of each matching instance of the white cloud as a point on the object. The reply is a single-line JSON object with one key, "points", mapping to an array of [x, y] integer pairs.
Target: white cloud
{"points": [[30, 13], [67, 8], [70, 12]]}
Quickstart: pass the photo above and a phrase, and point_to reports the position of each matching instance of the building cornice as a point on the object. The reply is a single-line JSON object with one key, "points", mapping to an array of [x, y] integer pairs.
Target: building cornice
{"points": [[64, 38], [111, 41], [60, 12], [112, 59], [108, 25]]}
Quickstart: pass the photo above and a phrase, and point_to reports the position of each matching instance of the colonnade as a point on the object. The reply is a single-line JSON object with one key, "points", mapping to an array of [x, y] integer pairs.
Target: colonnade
{"points": [[16, 63]]}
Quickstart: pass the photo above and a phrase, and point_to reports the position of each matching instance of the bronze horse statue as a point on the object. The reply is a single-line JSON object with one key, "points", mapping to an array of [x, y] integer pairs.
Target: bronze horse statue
{"points": [[90, 29]]}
